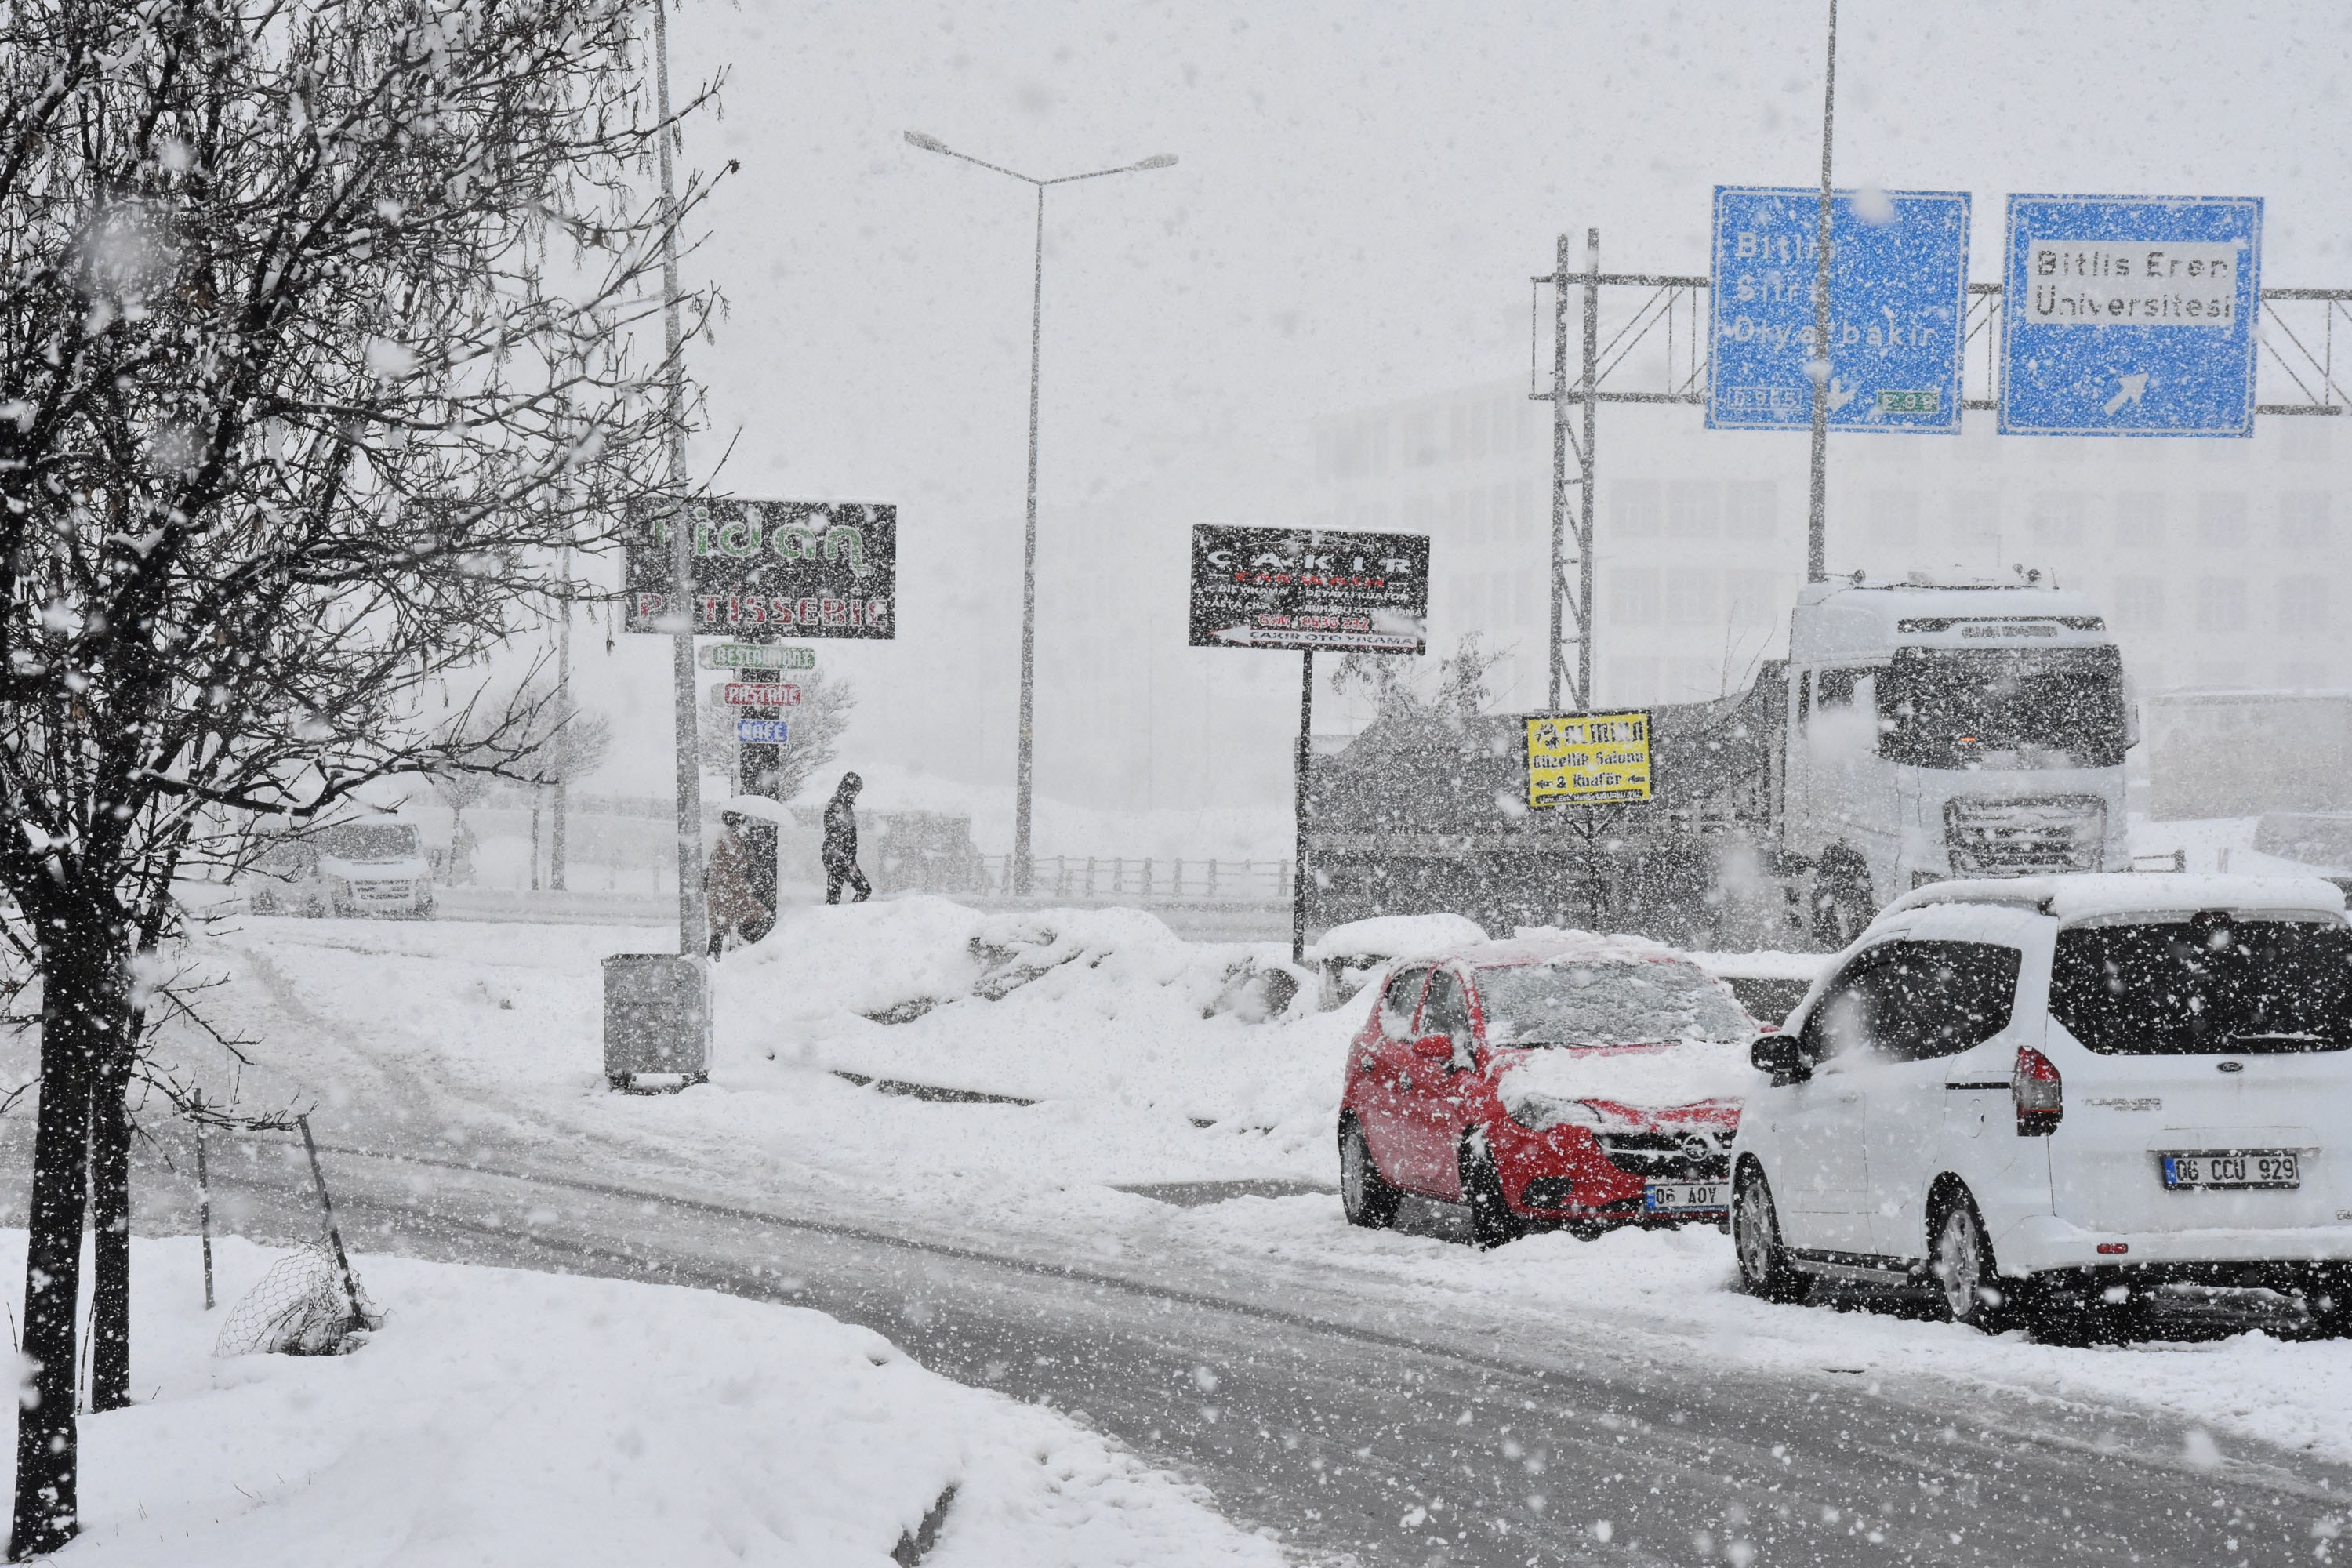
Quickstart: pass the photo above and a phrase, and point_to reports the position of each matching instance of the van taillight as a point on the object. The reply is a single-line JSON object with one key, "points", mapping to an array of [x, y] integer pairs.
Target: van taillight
{"points": [[2039, 1091]]}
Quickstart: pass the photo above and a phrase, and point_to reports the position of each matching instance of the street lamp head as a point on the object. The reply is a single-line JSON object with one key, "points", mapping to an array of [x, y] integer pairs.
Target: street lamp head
{"points": [[1158, 161], [928, 144]]}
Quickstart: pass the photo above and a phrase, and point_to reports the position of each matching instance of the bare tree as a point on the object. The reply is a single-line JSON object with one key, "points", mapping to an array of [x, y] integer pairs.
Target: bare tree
{"points": [[317, 340]]}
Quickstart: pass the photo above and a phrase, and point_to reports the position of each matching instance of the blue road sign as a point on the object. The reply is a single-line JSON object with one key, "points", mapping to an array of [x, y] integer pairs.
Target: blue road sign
{"points": [[1898, 309], [760, 731], [2130, 315]]}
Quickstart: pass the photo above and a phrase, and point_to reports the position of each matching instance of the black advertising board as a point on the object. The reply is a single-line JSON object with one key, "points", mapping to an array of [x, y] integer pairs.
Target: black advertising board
{"points": [[770, 568], [1309, 590]]}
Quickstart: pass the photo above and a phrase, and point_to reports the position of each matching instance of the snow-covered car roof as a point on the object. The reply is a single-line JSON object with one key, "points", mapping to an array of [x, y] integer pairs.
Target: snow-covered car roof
{"points": [[2081, 895]]}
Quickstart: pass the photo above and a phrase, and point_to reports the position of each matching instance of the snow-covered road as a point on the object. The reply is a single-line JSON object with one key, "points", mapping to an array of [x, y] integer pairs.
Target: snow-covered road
{"points": [[1394, 1396]]}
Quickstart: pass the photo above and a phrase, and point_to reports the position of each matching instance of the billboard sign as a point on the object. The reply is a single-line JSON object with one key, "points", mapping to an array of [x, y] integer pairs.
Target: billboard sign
{"points": [[777, 568], [1586, 759], [1312, 592], [1898, 309], [760, 731], [2130, 315]]}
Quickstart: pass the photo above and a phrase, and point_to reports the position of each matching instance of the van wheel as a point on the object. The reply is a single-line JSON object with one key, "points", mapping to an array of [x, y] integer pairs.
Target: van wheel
{"points": [[1960, 1267], [1764, 1267], [1367, 1200], [1492, 1223]]}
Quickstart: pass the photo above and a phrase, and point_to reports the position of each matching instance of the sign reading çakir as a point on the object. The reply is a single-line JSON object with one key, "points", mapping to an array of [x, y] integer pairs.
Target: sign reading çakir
{"points": [[1309, 590], [1585, 758], [795, 568]]}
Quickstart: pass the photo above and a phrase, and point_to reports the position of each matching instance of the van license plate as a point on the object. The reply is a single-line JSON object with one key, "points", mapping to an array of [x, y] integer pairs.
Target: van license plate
{"points": [[2232, 1168], [1686, 1197]]}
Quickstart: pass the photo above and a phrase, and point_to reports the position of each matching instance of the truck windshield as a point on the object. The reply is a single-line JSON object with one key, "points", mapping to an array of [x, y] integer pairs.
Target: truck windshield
{"points": [[1606, 1004], [2003, 708], [2208, 985], [369, 841]]}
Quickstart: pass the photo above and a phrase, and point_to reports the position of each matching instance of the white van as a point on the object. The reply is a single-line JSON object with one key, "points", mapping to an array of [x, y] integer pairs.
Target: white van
{"points": [[2058, 1093], [363, 865]]}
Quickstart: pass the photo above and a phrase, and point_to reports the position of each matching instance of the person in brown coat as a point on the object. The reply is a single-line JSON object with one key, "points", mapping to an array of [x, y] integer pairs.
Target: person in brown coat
{"points": [[727, 889]]}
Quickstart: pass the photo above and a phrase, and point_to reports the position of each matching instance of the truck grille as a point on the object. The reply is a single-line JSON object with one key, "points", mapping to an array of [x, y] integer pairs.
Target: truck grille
{"points": [[1678, 1153], [383, 893], [2019, 837]]}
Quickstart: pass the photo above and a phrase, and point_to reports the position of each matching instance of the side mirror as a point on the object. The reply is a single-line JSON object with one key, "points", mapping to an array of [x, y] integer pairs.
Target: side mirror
{"points": [[1781, 1056]]}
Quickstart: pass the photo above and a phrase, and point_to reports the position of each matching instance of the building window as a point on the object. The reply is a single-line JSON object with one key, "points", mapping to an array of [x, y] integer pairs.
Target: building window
{"points": [[2140, 519], [2304, 523], [2307, 440], [1638, 508], [1632, 681], [2221, 604], [2303, 603], [2221, 519], [1694, 508], [1634, 597], [2139, 604], [1895, 519], [1976, 524], [2057, 519], [1751, 510], [1690, 597]]}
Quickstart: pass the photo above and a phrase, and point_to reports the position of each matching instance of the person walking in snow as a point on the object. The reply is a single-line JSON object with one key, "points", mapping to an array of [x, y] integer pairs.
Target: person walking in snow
{"points": [[727, 892], [840, 849]]}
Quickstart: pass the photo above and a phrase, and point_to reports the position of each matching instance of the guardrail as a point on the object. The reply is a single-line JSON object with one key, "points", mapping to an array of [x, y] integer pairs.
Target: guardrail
{"points": [[1123, 879]]}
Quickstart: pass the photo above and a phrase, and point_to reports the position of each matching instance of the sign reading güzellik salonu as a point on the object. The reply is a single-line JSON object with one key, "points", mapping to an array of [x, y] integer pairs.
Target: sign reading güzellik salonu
{"points": [[782, 568]]}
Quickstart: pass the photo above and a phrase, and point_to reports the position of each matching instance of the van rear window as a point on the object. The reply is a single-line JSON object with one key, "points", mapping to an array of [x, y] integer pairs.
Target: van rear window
{"points": [[2208, 985]]}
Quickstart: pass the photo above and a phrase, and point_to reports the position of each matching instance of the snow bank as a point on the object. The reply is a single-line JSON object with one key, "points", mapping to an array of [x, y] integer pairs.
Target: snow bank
{"points": [[525, 1419], [1537, 1088], [1392, 936]]}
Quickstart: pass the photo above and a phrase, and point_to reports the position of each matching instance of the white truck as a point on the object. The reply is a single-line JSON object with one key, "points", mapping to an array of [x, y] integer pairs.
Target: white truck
{"points": [[1920, 728], [1945, 729], [367, 865]]}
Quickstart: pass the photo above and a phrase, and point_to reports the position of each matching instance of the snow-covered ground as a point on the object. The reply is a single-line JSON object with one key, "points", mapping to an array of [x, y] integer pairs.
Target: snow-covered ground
{"points": [[486, 1037], [528, 1419]]}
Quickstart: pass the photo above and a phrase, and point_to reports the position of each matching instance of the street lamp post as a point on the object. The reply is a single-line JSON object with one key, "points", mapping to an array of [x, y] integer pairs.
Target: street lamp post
{"points": [[1021, 788]]}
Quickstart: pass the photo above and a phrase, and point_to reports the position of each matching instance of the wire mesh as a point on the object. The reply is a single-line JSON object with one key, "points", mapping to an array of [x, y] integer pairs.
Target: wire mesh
{"points": [[298, 1307]]}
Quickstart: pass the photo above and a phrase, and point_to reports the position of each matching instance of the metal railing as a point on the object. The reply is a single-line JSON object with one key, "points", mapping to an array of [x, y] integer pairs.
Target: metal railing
{"points": [[1122, 879]]}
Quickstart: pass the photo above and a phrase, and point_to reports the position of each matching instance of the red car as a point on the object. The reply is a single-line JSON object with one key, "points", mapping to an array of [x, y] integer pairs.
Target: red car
{"points": [[1572, 1081]]}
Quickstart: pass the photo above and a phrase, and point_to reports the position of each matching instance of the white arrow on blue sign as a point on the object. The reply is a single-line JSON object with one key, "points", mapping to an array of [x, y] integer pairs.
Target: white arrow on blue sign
{"points": [[1898, 309], [2130, 315], [760, 731]]}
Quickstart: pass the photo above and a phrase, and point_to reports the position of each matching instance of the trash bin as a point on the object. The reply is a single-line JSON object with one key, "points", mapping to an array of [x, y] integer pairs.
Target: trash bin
{"points": [[657, 1017]]}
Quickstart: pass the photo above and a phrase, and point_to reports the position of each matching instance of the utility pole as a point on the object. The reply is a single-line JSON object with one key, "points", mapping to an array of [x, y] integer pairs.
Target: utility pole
{"points": [[1584, 616], [693, 935], [1563, 603], [1817, 527], [555, 844], [1558, 578]]}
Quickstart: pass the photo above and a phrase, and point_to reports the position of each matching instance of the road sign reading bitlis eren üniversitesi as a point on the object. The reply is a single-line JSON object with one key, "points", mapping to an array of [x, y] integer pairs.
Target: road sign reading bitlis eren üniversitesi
{"points": [[1587, 758], [2130, 315], [1898, 309]]}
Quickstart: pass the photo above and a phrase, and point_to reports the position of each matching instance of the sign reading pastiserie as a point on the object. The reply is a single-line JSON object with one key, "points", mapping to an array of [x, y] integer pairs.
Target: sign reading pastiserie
{"points": [[1575, 759], [778, 568], [2130, 316], [1313, 592]]}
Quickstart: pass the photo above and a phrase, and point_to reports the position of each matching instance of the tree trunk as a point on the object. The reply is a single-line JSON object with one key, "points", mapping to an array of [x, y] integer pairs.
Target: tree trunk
{"points": [[109, 1219], [81, 977]]}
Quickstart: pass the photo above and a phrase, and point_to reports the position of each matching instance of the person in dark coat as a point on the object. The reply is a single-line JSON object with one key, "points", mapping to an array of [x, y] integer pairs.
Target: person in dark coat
{"points": [[840, 849]]}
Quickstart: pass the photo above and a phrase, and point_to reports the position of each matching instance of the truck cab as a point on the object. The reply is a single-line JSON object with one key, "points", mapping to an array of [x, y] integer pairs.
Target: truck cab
{"points": [[1948, 728]]}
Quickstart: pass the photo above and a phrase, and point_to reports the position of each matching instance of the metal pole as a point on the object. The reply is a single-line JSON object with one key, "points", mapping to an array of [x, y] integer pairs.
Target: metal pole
{"points": [[555, 840], [1559, 464], [204, 1196], [1020, 797], [327, 1214], [693, 935], [1584, 525], [1817, 528], [1299, 808]]}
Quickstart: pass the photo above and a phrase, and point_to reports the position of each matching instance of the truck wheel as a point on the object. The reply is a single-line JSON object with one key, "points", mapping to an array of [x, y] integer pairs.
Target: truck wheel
{"points": [[1764, 1269], [1367, 1199]]}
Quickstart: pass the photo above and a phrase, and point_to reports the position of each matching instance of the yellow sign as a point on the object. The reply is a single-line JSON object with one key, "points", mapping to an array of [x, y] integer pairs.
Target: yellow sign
{"points": [[1583, 758]]}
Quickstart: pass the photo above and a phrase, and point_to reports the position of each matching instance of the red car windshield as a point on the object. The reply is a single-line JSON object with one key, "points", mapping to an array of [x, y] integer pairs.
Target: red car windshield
{"points": [[1588, 1002]]}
